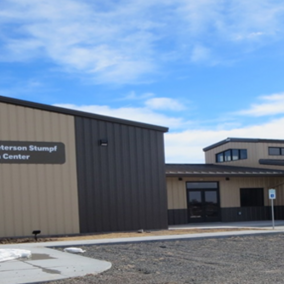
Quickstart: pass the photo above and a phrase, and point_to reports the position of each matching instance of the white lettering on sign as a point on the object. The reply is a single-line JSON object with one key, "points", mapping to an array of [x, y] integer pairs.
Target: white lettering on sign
{"points": [[32, 152], [15, 157], [13, 148], [42, 149]]}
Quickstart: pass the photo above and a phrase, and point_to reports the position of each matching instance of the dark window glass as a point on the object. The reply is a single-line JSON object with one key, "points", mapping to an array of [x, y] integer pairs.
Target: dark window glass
{"points": [[282, 151], [195, 202], [220, 158], [211, 203], [227, 155], [202, 185], [274, 151], [235, 154], [232, 155], [251, 197], [243, 154]]}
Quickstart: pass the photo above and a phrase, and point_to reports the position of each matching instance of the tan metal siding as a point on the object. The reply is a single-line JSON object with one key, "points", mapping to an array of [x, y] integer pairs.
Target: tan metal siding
{"points": [[255, 152], [176, 190], [229, 190], [38, 196]]}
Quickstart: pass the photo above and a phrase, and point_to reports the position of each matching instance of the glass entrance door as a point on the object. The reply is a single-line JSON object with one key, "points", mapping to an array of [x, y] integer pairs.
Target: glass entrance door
{"points": [[211, 205], [203, 202], [195, 205]]}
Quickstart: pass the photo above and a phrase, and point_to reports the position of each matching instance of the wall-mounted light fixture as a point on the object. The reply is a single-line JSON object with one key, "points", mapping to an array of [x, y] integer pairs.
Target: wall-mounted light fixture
{"points": [[180, 178], [103, 142], [36, 232], [227, 178]]}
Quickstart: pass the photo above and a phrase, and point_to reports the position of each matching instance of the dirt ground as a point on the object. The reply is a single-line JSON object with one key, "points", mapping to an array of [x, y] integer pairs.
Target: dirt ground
{"points": [[150, 233], [122, 235], [231, 260]]}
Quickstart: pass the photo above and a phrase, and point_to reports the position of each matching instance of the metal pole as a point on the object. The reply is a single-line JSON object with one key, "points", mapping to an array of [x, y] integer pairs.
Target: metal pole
{"points": [[272, 213]]}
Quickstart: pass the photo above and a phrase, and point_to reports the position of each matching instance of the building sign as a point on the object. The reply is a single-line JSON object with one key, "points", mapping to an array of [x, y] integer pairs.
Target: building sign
{"points": [[20, 152]]}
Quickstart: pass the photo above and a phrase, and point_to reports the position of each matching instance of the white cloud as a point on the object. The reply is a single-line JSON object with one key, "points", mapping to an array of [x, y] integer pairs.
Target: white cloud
{"points": [[164, 104], [133, 96], [186, 146], [121, 42], [200, 53], [271, 105], [142, 114], [186, 139]]}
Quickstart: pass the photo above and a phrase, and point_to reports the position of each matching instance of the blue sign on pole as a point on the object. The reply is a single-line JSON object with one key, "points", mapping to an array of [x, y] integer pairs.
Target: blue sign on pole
{"points": [[272, 196]]}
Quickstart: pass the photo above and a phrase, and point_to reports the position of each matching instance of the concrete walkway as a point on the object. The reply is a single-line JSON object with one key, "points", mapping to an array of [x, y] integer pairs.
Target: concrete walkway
{"points": [[47, 264]]}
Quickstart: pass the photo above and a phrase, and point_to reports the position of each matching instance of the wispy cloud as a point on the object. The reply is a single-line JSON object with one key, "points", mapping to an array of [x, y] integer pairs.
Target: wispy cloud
{"points": [[164, 104], [186, 139], [200, 53], [269, 105], [186, 146], [142, 114], [130, 42], [22, 88], [134, 96]]}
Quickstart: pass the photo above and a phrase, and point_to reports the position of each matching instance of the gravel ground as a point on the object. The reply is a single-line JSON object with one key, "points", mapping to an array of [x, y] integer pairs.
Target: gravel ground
{"points": [[252, 259]]}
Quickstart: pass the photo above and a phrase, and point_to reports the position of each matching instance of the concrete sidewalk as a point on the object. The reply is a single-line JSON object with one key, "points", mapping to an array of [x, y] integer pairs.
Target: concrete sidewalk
{"points": [[48, 264]]}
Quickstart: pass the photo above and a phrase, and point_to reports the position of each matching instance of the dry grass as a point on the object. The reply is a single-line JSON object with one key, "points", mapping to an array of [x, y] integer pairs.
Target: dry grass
{"points": [[124, 235], [152, 233]]}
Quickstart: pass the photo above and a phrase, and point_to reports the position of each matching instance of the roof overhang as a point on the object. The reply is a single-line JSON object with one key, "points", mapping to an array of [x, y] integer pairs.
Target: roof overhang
{"points": [[242, 140], [211, 170]]}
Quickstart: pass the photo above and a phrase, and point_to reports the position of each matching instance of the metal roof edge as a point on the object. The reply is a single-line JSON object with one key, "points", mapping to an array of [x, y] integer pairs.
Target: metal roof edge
{"points": [[66, 111], [247, 140], [213, 175], [224, 171]]}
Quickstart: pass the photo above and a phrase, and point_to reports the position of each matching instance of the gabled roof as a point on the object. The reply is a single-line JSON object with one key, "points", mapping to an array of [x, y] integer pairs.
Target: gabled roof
{"points": [[246, 140], [79, 113], [211, 170]]}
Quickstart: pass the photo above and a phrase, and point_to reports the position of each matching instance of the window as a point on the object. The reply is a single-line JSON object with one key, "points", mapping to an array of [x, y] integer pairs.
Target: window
{"points": [[220, 158], [202, 185], [251, 197], [243, 154], [228, 155], [235, 154], [275, 151], [231, 155]]}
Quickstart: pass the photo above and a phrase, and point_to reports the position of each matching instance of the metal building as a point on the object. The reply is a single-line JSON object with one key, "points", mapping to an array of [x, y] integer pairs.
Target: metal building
{"points": [[231, 186], [68, 172]]}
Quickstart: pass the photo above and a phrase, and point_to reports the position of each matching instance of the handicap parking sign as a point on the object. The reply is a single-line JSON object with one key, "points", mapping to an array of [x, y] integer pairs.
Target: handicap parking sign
{"points": [[272, 194]]}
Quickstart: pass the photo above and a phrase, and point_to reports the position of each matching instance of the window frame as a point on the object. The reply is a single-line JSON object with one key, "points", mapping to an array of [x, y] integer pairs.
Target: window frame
{"points": [[221, 157], [280, 151]]}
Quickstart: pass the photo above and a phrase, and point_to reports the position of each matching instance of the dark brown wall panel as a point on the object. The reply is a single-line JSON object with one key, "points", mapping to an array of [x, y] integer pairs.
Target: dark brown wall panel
{"points": [[121, 186]]}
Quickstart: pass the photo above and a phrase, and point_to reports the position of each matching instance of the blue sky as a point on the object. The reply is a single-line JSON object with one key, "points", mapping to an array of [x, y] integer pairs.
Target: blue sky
{"points": [[207, 69]]}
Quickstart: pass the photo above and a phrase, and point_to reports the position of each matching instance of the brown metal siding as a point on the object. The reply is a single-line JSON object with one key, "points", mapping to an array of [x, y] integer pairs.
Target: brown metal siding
{"points": [[38, 196], [121, 186]]}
